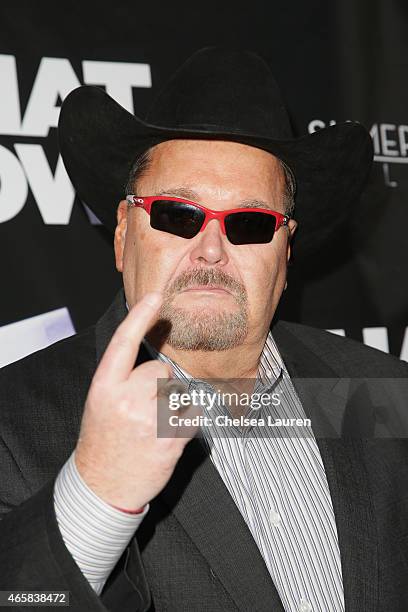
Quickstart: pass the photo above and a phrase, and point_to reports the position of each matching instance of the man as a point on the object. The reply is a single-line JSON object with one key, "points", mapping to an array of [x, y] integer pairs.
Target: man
{"points": [[99, 503]]}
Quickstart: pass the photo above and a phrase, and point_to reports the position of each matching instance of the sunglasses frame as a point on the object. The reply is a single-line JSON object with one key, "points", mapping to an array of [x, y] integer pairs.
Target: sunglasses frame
{"points": [[146, 202]]}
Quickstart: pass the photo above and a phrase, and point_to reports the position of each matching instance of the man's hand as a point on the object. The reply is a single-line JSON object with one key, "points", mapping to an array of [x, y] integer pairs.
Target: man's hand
{"points": [[119, 455]]}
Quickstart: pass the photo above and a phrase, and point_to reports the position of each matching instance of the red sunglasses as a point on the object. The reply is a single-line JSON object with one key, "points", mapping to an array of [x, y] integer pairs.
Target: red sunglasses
{"points": [[184, 218]]}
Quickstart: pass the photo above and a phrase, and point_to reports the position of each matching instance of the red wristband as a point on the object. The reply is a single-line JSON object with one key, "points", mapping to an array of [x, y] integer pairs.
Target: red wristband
{"points": [[138, 511]]}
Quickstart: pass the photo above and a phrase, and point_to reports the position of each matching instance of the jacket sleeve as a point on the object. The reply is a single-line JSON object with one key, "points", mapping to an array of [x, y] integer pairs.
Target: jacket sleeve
{"points": [[33, 555]]}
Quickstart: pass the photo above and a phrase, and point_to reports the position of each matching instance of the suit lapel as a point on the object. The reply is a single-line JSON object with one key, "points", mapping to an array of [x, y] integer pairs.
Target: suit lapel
{"points": [[203, 506], [343, 459]]}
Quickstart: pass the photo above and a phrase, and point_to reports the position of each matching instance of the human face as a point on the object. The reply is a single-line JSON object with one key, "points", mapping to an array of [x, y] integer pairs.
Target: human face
{"points": [[249, 278]]}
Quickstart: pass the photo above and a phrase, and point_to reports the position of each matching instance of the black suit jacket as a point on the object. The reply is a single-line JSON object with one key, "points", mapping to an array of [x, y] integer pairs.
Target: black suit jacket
{"points": [[193, 550]]}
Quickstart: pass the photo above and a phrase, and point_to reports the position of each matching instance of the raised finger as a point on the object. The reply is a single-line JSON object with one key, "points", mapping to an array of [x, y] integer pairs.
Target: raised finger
{"points": [[120, 356]]}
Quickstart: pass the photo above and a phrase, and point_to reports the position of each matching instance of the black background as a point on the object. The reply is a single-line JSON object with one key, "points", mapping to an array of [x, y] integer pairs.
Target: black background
{"points": [[334, 60]]}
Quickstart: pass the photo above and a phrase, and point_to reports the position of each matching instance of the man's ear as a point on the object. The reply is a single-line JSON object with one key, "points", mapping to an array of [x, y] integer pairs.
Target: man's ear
{"points": [[292, 225], [120, 234]]}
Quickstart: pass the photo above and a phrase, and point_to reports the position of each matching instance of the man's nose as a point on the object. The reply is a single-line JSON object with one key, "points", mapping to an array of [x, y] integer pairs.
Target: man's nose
{"points": [[209, 245]]}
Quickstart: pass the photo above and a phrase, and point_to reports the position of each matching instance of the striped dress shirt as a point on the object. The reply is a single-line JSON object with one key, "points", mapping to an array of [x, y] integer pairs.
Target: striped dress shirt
{"points": [[275, 476]]}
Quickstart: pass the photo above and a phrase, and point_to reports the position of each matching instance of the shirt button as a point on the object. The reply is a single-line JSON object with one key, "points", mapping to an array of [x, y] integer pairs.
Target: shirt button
{"points": [[274, 517], [269, 373], [305, 606]]}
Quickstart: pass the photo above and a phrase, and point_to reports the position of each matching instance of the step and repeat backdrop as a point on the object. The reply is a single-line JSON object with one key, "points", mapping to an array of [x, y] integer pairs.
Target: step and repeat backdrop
{"points": [[335, 61]]}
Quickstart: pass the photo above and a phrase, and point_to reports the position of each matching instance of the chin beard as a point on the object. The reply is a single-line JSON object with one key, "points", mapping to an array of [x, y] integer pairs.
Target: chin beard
{"points": [[201, 331]]}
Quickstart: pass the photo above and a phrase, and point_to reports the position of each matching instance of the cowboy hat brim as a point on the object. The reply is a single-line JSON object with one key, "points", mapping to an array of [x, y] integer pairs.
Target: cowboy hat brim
{"points": [[99, 141]]}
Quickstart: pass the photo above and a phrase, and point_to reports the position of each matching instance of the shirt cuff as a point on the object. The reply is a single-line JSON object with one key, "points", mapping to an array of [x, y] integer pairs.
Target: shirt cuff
{"points": [[95, 533]]}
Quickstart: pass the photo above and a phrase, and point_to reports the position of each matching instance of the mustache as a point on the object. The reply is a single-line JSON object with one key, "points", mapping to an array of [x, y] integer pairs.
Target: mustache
{"points": [[206, 276]]}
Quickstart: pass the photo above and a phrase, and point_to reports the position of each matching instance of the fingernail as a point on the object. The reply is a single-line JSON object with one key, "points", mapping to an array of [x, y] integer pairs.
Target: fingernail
{"points": [[154, 298]]}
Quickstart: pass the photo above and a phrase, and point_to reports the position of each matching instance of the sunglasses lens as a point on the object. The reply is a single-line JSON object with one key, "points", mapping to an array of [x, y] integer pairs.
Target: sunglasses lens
{"points": [[176, 218], [250, 227]]}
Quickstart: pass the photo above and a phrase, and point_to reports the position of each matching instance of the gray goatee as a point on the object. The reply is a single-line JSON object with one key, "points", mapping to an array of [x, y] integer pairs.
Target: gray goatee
{"points": [[196, 329]]}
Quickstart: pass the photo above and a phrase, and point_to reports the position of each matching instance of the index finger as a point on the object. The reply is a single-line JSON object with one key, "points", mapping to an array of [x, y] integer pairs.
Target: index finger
{"points": [[119, 358]]}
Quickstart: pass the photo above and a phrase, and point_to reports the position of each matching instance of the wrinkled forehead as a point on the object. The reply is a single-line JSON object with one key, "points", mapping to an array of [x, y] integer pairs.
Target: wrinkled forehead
{"points": [[189, 163]]}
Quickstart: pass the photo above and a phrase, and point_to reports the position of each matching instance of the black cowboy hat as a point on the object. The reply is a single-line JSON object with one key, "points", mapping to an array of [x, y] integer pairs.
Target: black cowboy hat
{"points": [[217, 94]]}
